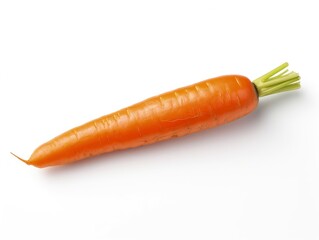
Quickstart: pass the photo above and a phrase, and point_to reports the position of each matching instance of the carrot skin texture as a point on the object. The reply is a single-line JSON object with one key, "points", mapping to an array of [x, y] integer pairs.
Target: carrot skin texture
{"points": [[186, 110]]}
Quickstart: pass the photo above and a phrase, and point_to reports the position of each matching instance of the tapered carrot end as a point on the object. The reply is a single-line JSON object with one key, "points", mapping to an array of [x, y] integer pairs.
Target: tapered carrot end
{"points": [[25, 161]]}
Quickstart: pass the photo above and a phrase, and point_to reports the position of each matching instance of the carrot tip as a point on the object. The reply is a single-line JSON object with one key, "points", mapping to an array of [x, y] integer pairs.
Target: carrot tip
{"points": [[25, 161]]}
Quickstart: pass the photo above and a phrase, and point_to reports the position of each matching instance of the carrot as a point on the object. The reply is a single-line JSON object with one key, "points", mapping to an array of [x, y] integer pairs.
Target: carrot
{"points": [[186, 110]]}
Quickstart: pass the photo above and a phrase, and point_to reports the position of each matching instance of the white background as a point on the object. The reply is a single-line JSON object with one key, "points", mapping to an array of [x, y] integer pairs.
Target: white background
{"points": [[63, 63]]}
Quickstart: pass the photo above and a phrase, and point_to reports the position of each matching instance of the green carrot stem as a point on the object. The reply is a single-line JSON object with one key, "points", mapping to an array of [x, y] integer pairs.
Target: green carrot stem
{"points": [[276, 81]]}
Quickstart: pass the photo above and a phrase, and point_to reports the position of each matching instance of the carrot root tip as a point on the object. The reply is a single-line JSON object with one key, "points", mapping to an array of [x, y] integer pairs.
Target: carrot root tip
{"points": [[25, 161]]}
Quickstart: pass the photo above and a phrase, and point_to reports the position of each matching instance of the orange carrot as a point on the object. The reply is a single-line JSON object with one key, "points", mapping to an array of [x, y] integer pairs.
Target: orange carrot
{"points": [[186, 110]]}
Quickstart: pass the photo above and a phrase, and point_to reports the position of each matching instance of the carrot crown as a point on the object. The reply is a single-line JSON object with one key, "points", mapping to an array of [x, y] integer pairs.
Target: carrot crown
{"points": [[277, 80]]}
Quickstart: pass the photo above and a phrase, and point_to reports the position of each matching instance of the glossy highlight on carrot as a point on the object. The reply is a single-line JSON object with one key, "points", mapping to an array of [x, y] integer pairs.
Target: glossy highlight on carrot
{"points": [[177, 113]]}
